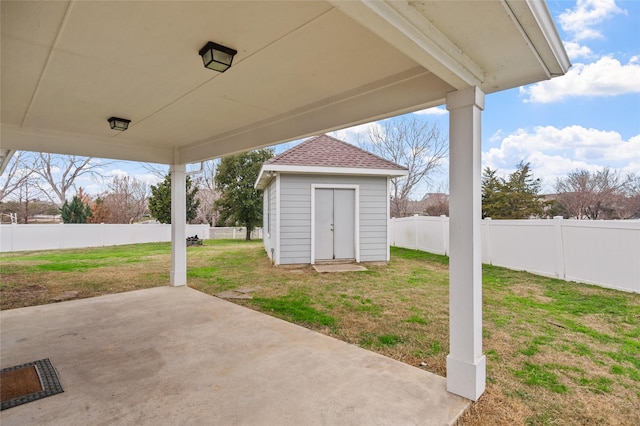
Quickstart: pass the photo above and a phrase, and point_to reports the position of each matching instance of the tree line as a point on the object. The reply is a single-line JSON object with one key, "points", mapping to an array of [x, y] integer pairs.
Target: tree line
{"points": [[37, 184], [582, 194], [41, 184], [222, 194]]}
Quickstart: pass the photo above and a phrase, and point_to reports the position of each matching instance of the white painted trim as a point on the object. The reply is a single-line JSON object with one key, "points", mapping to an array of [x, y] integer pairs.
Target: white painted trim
{"points": [[267, 169], [526, 38], [356, 213], [334, 170], [544, 20], [278, 229], [263, 179], [429, 38]]}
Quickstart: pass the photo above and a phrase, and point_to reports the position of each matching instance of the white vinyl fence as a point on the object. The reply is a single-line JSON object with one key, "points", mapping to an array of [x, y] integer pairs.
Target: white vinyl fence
{"points": [[233, 233], [606, 253], [62, 236]]}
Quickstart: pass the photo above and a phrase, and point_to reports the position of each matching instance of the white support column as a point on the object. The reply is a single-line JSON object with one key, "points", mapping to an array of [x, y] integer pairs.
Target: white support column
{"points": [[466, 365], [178, 225]]}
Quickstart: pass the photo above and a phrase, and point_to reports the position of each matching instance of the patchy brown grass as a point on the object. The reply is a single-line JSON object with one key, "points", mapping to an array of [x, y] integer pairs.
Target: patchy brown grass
{"points": [[558, 353]]}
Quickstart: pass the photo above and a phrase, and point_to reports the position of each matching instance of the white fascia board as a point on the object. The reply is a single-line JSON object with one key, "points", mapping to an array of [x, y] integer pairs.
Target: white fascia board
{"points": [[541, 14], [333, 170], [263, 179]]}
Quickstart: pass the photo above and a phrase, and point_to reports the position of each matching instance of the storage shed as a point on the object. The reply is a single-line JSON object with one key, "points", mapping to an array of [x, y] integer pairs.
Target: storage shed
{"points": [[326, 200]]}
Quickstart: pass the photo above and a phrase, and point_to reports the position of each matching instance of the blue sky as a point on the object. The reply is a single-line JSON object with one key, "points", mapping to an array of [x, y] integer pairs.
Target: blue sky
{"points": [[587, 119]]}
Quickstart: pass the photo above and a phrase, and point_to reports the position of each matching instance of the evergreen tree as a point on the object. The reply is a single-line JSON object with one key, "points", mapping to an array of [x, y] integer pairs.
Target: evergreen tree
{"points": [[240, 203], [160, 200], [513, 198], [493, 193], [76, 211]]}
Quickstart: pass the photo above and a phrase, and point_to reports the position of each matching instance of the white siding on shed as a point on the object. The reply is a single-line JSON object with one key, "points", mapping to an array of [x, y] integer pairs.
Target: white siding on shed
{"points": [[295, 215]]}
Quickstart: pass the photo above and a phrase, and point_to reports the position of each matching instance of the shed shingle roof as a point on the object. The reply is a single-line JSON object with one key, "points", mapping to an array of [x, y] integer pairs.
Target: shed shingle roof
{"points": [[325, 151]]}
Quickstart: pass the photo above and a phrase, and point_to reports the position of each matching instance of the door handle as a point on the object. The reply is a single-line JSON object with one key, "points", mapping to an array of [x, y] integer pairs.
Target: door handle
{"points": [[332, 227]]}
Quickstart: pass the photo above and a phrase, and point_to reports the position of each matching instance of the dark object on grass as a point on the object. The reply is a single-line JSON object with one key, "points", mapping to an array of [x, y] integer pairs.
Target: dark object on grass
{"points": [[194, 241]]}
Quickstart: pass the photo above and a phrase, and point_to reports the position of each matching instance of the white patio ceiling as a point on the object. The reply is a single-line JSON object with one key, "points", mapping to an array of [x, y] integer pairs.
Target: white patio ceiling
{"points": [[302, 68]]}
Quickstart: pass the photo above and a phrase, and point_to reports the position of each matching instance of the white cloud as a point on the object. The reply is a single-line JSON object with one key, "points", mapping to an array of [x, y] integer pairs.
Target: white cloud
{"points": [[148, 178], [606, 77], [92, 189], [554, 152], [433, 111], [355, 134], [118, 172], [575, 50], [580, 21]]}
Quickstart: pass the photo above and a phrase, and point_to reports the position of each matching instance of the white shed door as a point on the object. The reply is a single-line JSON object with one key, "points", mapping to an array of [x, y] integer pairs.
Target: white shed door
{"points": [[335, 224]]}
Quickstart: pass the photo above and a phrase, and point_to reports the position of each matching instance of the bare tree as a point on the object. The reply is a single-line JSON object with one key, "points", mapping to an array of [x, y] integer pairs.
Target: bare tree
{"points": [[125, 200], [413, 143], [436, 204], [17, 175], [25, 195], [59, 173], [627, 203], [158, 170], [207, 193], [587, 195]]}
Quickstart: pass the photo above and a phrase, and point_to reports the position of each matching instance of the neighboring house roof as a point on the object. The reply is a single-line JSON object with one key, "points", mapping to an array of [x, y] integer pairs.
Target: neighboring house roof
{"points": [[326, 155]]}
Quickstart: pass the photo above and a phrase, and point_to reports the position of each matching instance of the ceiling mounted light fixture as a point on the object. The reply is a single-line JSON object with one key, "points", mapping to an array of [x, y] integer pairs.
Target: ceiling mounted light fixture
{"points": [[121, 124], [217, 57]]}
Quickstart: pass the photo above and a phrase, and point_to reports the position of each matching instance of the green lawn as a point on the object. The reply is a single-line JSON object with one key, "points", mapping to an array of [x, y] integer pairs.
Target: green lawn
{"points": [[558, 352]]}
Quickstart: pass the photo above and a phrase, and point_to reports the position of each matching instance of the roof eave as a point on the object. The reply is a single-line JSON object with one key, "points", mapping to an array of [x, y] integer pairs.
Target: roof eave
{"points": [[267, 170], [264, 177], [551, 52]]}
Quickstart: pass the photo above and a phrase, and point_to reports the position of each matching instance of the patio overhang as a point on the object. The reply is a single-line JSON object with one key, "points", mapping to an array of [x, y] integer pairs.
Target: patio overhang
{"points": [[302, 68]]}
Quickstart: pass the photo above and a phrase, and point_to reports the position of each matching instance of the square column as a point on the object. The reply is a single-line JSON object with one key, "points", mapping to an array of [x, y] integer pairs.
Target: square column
{"points": [[466, 365], [178, 274]]}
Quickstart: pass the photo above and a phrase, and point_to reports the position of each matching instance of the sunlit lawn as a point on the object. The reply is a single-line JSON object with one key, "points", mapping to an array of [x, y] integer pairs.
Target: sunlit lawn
{"points": [[558, 353]]}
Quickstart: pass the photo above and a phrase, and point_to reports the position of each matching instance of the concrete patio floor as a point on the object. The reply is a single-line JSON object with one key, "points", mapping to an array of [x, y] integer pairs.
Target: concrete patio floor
{"points": [[178, 356]]}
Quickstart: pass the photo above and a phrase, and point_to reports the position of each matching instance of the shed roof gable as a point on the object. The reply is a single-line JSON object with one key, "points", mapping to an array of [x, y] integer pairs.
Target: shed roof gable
{"points": [[326, 155], [325, 151]]}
